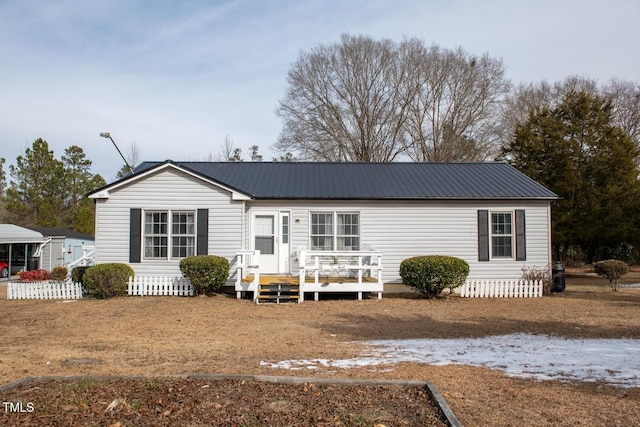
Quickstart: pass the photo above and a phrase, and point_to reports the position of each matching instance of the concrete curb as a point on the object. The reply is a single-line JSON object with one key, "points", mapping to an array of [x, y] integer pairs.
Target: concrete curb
{"points": [[433, 390]]}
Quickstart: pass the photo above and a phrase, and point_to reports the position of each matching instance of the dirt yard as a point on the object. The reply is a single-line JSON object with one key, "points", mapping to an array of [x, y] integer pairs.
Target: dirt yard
{"points": [[221, 335]]}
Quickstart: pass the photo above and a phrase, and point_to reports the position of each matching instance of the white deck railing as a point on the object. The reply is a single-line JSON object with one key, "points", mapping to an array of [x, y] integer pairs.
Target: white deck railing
{"points": [[46, 289], [88, 258], [328, 268], [501, 289], [247, 263], [159, 285]]}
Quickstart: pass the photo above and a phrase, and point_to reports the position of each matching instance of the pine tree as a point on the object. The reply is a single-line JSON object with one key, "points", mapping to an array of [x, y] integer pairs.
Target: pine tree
{"points": [[37, 192], [576, 151]]}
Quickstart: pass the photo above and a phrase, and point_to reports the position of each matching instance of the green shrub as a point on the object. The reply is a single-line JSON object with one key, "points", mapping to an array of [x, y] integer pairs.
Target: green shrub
{"points": [[59, 273], [108, 280], [77, 274], [612, 270], [207, 273], [431, 274]]}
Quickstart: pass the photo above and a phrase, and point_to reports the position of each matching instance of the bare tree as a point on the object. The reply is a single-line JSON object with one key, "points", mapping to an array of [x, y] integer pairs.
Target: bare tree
{"points": [[625, 96], [345, 102], [528, 99], [367, 100], [452, 115], [132, 157], [226, 150], [133, 154]]}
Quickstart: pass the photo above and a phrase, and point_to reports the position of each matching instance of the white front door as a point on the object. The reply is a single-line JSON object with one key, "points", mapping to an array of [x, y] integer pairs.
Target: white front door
{"points": [[265, 239], [270, 235]]}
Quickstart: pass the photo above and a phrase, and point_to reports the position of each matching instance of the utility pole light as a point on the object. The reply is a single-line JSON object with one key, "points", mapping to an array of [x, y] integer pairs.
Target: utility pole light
{"points": [[108, 135]]}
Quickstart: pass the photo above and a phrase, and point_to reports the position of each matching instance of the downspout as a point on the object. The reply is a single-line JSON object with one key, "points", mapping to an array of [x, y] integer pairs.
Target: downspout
{"points": [[38, 251], [243, 224]]}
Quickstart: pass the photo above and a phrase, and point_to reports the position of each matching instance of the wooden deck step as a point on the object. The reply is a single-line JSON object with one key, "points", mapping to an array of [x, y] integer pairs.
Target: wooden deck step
{"points": [[278, 292]]}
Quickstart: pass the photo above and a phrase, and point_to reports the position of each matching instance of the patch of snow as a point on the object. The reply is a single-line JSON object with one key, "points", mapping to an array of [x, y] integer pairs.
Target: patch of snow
{"points": [[615, 361], [629, 285]]}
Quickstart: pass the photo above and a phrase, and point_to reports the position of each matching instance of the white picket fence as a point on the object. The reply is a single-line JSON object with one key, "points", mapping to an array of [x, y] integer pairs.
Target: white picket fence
{"points": [[159, 285], [46, 289], [501, 289]]}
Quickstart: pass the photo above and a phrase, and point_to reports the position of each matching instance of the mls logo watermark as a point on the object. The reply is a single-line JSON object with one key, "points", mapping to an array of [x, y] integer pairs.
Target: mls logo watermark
{"points": [[18, 407]]}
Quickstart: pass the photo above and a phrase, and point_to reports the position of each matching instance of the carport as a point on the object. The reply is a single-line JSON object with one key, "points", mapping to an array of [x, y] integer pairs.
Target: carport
{"points": [[17, 247]]}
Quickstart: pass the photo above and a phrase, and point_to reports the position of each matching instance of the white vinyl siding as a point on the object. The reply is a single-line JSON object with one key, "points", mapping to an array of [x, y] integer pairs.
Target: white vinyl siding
{"points": [[403, 229], [169, 190]]}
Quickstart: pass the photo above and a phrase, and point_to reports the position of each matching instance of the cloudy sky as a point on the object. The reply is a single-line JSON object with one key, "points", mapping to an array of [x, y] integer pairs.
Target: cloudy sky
{"points": [[176, 77]]}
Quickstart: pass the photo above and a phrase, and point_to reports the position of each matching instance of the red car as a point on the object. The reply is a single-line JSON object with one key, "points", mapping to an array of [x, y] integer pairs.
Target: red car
{"points": [[4, 270]]}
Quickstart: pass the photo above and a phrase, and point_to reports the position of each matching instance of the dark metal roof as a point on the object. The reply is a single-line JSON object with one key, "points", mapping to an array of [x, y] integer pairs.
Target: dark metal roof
{"points": [[64, 232], [306, 180]]}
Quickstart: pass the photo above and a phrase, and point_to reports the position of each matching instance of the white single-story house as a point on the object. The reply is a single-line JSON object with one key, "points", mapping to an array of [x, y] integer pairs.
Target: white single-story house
{"points": [[489, 214]]}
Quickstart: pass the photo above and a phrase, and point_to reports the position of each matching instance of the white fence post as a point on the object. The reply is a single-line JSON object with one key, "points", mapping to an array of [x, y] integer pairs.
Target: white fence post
{"points": [[47, 289], [160, 286], [501, 289]]}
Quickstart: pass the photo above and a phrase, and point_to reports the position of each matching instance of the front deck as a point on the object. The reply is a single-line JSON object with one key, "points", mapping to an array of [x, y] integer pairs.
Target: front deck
{"points": [[330, 272], [274, 285]]}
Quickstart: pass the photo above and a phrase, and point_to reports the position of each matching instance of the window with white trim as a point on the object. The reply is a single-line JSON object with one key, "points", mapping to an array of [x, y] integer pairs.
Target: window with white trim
{"points": [[335, 230], [348, 232], [162, 237], [321, 231], [501, 234], [183, 234]]}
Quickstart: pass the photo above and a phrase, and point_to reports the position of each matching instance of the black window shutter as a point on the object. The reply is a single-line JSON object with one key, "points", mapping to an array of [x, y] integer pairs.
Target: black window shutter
{"points": [[203, 232], [483, 235], [135, 234], [521, 242]]}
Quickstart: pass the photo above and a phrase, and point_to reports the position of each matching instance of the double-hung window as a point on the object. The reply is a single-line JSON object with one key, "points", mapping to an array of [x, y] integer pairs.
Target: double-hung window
{"points": [[169, 232], [183, 234], [322, 231], [501, 235], [348, 232], [335, 231]]}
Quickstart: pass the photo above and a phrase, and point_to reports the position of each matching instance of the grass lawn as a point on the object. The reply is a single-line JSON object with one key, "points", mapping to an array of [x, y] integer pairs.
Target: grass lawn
{"points": [[153, 336]]}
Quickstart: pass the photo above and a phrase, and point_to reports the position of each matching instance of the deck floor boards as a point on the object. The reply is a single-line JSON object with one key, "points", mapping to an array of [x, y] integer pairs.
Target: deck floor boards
{"points": [[267, 279]]}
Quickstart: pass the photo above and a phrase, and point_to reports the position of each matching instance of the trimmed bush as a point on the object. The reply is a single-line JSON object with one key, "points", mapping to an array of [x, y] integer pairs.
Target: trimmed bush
{"points": [[59, 273], [207, 273], [77, 274], [108, 280], [612, 270], [34, 275], [431, 274]]}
